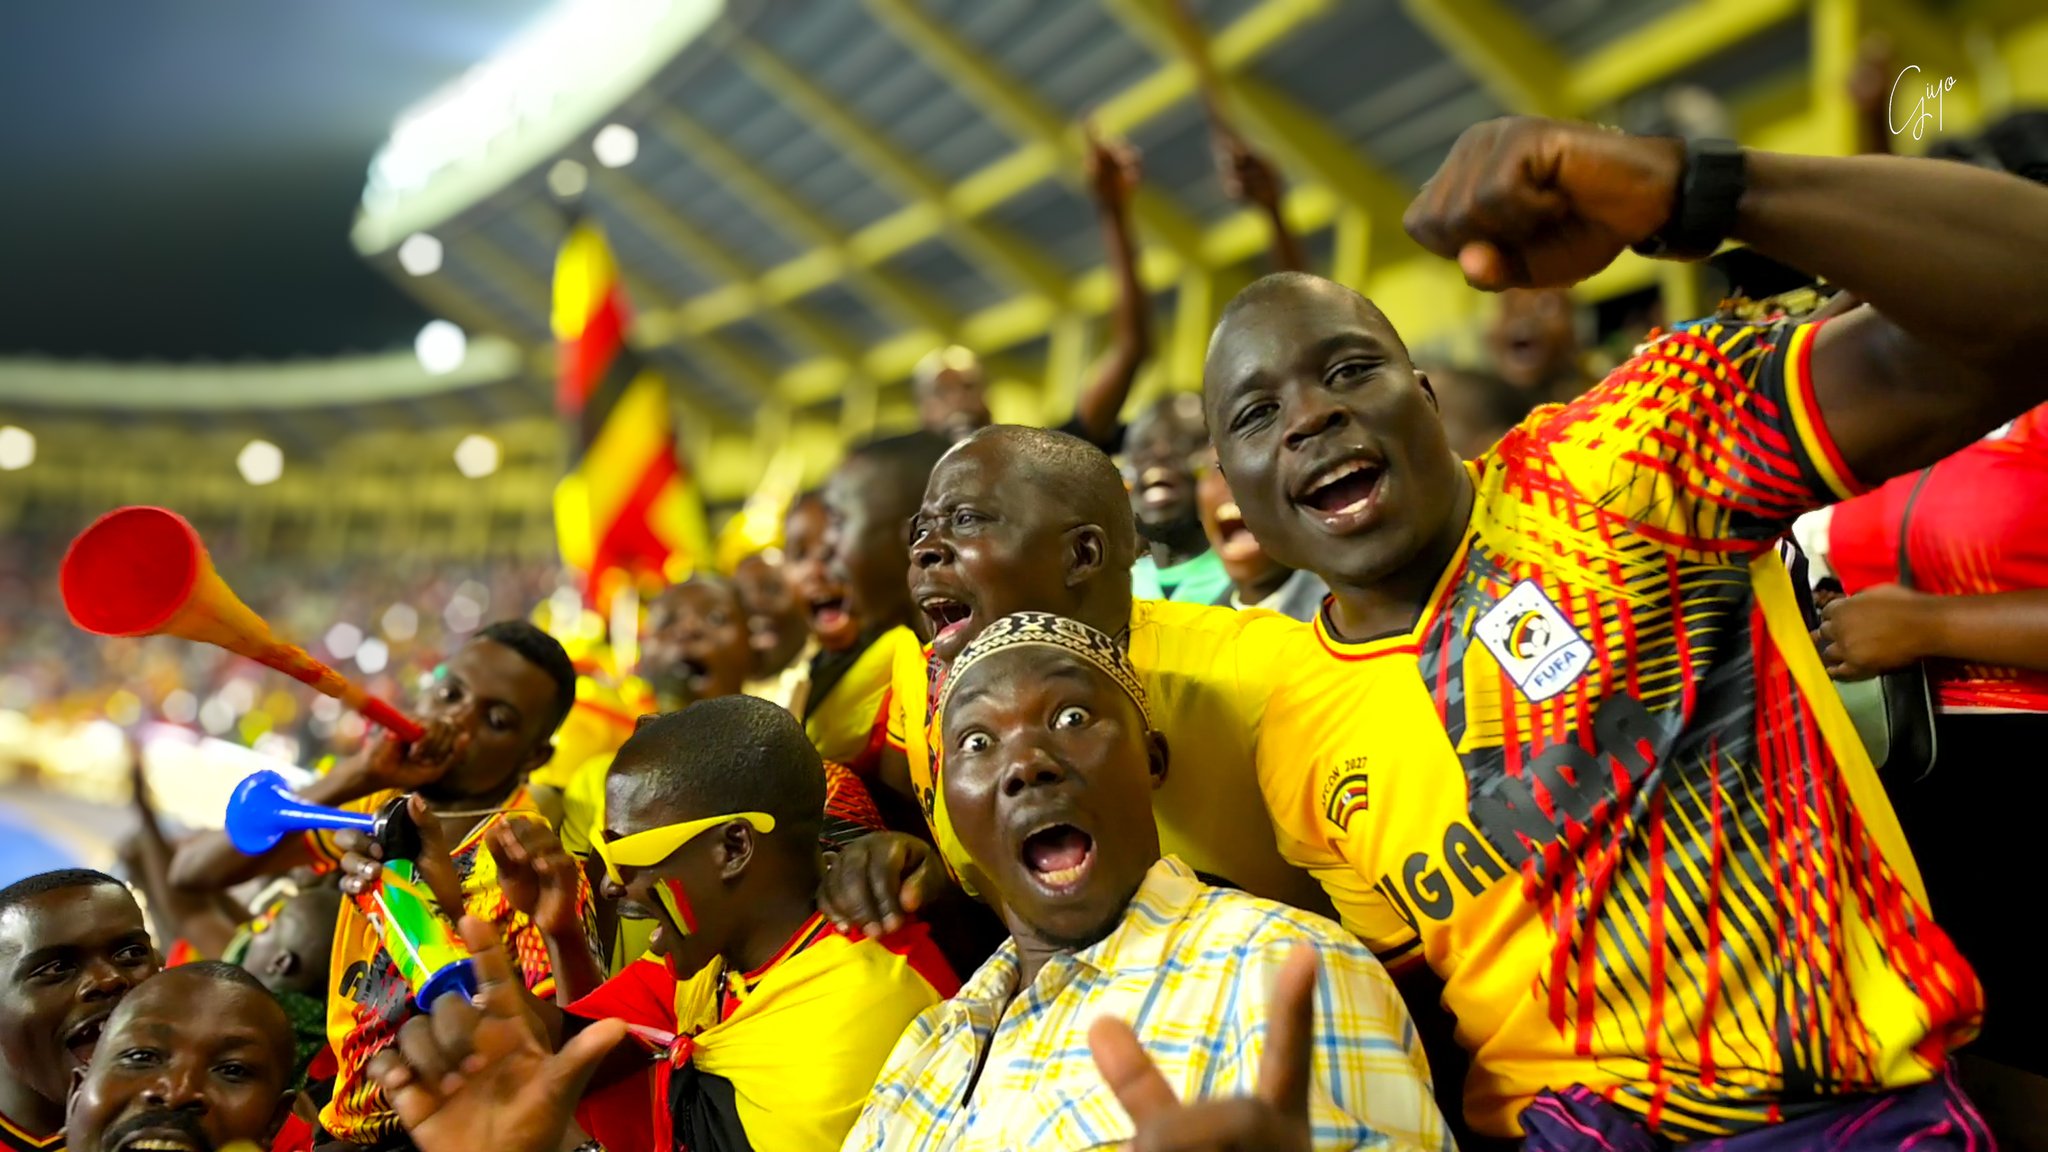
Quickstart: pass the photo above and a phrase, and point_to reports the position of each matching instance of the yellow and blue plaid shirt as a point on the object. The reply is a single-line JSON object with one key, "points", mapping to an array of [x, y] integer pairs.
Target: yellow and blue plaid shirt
{"points": [[1191, 967]]}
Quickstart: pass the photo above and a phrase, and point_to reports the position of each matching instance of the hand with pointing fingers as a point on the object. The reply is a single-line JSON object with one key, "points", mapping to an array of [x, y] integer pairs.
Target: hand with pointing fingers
{"points": [[1275, 1118], [479, 1077]]}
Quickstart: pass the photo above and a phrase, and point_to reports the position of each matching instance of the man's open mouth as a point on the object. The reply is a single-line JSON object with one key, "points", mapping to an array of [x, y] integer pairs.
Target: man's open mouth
{"points": [[163, 1140], [1059, 856], [85, 1036], [1157, 486], [1234, 541], [1342, 491], [945, 615], [830, 614], [158, 1130]]}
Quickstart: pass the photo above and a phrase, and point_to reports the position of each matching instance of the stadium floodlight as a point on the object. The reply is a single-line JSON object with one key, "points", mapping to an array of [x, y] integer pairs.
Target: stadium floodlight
{"points": [[615, 145], [477, 456], [567, 179], [17, 448], [420, 255], [441, 347], [260, 462]]}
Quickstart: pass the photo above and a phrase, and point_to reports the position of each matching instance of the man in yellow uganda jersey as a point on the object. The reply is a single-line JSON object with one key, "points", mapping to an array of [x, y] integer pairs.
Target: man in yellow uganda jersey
{"points": [[489, 712], [1026, 519], [1559, 730], [860, 609]]}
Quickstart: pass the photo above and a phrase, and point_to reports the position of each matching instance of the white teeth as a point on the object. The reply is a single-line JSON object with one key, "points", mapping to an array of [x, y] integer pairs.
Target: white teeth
{"points": [[1339, 473], [1061, 877]]}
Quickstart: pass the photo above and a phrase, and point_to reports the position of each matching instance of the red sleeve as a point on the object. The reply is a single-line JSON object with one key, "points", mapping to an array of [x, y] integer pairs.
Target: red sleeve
{"points": [[850, 811], [642, 993]]}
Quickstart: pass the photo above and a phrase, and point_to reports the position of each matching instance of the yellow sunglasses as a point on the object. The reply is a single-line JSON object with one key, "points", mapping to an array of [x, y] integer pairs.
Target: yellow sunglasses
{"points": [[646, 849]]}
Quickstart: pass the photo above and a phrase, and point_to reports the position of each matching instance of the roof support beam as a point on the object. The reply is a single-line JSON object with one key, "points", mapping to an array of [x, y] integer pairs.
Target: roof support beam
{"points": [[688, 241], [761, 192], [1233, 46], [1493, 43], [826, 114], [1030, 120], [1667, 46], [1304, 143]]}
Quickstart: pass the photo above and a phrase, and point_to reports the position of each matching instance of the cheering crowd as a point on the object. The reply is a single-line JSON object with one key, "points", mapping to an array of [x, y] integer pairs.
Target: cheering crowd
{"points": [[1343, 756]]}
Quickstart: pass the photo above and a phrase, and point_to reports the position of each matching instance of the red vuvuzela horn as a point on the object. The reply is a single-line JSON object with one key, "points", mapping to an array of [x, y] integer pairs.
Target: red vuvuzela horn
{"points": [[142, 571]]}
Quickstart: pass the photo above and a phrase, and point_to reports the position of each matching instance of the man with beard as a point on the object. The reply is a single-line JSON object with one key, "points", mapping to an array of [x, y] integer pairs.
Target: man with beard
{"points": [[72, 944], [1051, 765], [196, 1058], [1560, 733], [490, 714], [1165, 444]]}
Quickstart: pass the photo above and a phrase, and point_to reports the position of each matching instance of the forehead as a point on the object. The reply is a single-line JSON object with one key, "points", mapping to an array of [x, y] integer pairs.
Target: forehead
{"points": [[633, 802], [78, 916], [1017, 679], [1284, 324], [1177, 418], [691, 598], [200, 1013], [492, 670], [977, 465]]}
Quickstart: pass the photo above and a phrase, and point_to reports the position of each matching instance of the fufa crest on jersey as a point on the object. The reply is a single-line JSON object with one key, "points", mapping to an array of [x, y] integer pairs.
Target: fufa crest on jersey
{"points": [[1534, 642]]}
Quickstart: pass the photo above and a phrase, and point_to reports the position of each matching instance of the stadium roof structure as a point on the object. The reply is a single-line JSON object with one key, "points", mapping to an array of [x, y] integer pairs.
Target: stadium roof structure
{"points": [[825, 190]]}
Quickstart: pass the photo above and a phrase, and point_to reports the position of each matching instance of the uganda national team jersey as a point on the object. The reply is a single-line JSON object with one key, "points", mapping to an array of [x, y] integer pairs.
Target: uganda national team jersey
{"points": [[847, 721], [1206, 672], [1604, 786], [13, 1139], [367, 998], [779, 1059]]}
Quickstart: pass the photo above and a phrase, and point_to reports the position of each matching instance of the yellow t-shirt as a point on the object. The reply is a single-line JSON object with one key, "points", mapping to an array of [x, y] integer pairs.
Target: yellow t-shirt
{"points": [[1604, 786], [367, 998], [1206, 672], [846, 724], [600, 721]]}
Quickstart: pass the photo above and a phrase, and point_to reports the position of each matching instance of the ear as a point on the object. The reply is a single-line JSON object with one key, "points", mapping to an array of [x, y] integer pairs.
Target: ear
{"points": [[1428, 389], [284, 963], [1087, 550], [735, 850], [287, 1101], [1156, 755], [540, 755], [71, 1097]]}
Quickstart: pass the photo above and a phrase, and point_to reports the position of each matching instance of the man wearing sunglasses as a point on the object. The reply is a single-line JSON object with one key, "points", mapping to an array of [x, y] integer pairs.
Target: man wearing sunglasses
{"points": [[767, 1023]]}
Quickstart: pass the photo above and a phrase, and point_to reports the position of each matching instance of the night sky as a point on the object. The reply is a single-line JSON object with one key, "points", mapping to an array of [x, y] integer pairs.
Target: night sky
{"points": [[177, 180]]}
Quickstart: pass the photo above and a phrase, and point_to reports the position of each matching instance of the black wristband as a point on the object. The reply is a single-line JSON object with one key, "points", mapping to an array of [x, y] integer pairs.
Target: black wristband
{"points": [[1709, 197]]}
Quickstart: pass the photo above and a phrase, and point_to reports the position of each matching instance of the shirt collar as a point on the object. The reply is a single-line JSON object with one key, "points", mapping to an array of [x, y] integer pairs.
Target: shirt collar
{"points": [[1137, 944]]}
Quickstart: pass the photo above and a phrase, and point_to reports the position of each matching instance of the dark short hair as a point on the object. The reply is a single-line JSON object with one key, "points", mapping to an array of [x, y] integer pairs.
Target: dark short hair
{"points": [[222, 972], [24, 890], [225, 973], [543, 652], [729, 754]]}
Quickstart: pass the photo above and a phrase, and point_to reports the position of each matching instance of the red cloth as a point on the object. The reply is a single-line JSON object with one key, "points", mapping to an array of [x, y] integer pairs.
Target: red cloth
{"points": [[1979, 526]]}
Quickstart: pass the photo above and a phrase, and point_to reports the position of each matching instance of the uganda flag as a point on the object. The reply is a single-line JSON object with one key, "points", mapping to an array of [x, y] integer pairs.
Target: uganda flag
{"points": [[627, 509]]}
